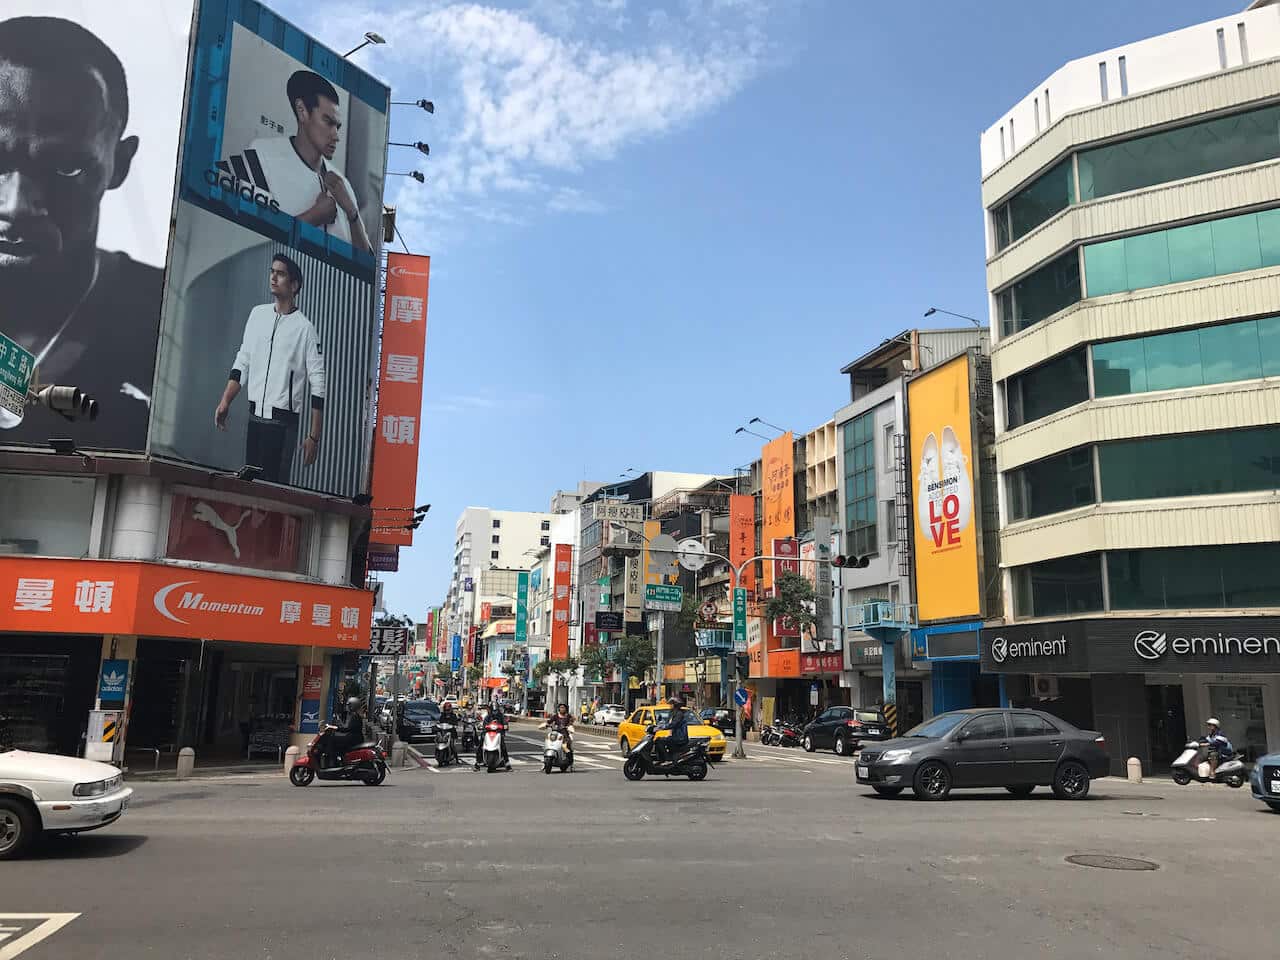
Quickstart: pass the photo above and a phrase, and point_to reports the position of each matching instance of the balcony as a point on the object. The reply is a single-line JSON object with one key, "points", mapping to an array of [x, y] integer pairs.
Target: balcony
{"points": [[881, 614]]}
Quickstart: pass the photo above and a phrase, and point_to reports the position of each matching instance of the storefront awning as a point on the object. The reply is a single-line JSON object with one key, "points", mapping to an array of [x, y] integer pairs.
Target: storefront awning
{"points": [[494, 683]]}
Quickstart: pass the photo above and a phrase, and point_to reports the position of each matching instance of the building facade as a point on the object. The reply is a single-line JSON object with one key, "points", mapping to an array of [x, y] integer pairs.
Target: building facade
{"points": [[1133, 211]]}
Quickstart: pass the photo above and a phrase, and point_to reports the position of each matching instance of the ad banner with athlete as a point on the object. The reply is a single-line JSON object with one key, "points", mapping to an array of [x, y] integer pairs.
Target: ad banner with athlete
{"points": [[91, 100], [265, 357]]}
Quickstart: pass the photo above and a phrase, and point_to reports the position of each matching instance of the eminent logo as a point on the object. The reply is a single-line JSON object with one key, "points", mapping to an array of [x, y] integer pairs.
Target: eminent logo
{"points": [[242, 174], [196, 601], [1002, 649], [1152, 645]]}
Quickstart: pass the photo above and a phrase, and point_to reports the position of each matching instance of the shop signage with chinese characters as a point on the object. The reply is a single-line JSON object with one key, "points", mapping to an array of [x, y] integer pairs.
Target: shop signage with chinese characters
{"points": [[619, 512], [560, 603], [164, 600], [821, 663], [742, 537]]}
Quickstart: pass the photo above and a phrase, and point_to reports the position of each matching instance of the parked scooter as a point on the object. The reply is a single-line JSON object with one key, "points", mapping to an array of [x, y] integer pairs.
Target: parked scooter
{"points": [[365, 762], [446, 743], [556, 752], [1193, 764], [691, 762], [491, 746]]}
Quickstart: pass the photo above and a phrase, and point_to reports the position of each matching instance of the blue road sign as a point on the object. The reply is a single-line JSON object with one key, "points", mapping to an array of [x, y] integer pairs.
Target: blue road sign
{"points": [[740, 697]]}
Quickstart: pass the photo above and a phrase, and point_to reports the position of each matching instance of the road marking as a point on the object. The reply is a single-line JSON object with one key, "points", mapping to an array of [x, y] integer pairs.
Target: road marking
{"points": [[49, 924]]}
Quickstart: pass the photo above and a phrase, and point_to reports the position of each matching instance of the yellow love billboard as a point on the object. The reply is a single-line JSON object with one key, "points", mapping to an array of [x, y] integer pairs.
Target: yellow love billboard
{"points": [[947, 529]]}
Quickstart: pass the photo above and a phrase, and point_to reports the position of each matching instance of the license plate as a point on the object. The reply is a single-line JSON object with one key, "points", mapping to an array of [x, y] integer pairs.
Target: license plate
{"points": [[873, 731], [864, 771], [1275, 787]]}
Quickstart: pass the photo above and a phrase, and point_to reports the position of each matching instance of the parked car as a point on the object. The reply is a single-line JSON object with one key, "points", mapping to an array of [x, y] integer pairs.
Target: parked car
{"points": [[1265, 780], [983, 747], [42, 793], [416, 721], [611, 714], [842, 729], [722, 719], [632, 730]]}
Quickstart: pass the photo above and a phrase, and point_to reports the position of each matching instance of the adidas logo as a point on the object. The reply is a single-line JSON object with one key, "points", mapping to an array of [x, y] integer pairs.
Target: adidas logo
{"points": [[242, 174]]}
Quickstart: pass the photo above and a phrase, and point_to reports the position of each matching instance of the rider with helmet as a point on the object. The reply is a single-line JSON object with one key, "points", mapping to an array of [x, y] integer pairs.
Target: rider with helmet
{"points": [[350, 734], [1218, 746], [677, 740]]}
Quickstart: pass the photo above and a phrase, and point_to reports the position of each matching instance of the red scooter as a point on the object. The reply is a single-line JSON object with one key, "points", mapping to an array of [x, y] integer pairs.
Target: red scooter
{"points": [[364, 762]]}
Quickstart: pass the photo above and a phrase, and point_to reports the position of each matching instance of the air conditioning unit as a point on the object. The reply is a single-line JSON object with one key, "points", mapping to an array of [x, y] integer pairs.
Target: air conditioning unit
{"points": [[1044, 688]]}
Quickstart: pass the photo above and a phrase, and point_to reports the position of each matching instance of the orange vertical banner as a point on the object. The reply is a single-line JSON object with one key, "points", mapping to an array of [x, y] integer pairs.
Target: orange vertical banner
{"points": [[560, 603], [742, 536], [778, 471], [396, 434]]}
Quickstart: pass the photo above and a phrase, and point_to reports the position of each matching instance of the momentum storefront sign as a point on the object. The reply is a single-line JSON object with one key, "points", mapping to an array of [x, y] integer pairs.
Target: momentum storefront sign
{"points": [[1135, 645], [163, 600]]}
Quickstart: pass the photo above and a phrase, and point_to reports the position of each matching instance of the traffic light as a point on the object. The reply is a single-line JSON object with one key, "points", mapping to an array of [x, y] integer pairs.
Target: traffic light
{"points": [[857, 563], [70, 403]]}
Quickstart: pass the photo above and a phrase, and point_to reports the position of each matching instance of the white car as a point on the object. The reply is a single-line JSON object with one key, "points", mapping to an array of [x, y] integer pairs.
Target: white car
{"points": [[611, 714], [47, 793]]}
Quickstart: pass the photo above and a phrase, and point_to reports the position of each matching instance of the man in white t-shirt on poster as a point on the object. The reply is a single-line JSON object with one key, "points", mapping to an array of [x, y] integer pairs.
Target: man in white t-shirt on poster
{"points": [[277, 363], [298, 177]]}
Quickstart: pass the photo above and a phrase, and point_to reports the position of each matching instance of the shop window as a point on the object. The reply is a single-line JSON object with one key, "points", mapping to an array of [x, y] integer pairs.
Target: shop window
{"points": [[1065, 585], [46, 516]]}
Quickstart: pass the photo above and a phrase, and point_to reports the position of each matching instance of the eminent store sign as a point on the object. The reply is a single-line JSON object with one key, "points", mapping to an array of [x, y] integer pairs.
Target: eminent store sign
{"points": [[1225, 645]]}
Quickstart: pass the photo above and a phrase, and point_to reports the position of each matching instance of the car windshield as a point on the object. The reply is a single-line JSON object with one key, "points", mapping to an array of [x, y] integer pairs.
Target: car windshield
{"points": [[421, 708], [939, 726]]}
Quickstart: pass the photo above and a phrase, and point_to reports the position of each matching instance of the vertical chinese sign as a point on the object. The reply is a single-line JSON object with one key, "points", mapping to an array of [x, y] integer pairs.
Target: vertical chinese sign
{"points": [[429, 640], [779, 522], [395, 441], [560, 601], [522, 608], [742, 537]]}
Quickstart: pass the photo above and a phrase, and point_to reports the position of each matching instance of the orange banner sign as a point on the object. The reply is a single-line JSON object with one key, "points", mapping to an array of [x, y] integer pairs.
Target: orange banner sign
{"points": [[395, 440], [163, 600], [742, 536], [778, 471], [560, 604]]}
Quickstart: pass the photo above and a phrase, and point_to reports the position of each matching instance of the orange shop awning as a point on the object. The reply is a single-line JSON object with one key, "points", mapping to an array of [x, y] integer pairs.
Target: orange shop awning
{"points": [[166, 600], [493, 683]]}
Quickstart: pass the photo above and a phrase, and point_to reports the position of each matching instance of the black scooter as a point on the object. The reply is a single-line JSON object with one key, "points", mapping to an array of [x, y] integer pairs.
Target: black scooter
{"points": [[446, 744], [691, 762]]}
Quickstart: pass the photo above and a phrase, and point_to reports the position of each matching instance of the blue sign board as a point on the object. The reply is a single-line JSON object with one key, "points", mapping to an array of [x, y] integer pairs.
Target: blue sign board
{"points": [[113, 680], [455, 653], [740, 697], [310, 721]]}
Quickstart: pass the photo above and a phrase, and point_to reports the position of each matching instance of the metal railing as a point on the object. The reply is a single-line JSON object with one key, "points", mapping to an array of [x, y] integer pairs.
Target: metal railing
{"points": [[880, 613]]}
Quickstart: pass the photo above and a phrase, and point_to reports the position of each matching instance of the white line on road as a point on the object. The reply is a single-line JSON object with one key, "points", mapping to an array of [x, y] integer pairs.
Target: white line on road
{"points": [[50, 923]]}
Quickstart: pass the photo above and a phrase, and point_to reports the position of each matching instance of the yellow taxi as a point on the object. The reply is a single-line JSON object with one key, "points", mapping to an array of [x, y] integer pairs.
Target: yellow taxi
{"points": [[632, 730]]}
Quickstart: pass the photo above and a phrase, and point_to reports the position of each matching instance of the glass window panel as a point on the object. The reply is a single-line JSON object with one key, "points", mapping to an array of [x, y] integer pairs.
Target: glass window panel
{"points": [[1104, 268], [1061, 586], [1000, 216], [1146, 260], [1194, 464], [1269, 344], [1045, 196], [1173, 360], [1053, 287], [1052, 485], [1230, 352], [1235, 244], [1121, 367], [1046, 389], [1269, 236], [1191, 252]]}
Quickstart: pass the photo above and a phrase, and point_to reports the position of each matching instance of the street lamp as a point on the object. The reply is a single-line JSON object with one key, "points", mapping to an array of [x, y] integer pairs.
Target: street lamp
{"points": [[963, 316], [752, 432], [414, 174], [426, 105], [369, 38], [766, 423], [418, 145]]}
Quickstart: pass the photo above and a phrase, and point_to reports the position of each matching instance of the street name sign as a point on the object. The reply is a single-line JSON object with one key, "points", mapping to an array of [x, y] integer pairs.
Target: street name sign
{"points": [[663, 596]]}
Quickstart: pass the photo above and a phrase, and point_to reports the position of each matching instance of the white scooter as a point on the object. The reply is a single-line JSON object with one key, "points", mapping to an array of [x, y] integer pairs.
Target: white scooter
{"points": [[1193, 764], [491, 745], [556, 752]]}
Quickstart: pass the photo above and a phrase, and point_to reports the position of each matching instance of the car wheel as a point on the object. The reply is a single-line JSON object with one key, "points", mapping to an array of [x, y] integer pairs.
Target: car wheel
{"points": [[841, 746], [1071, 782], [625, 746], [18, 828], [808, 744], [1181, 777], [932, 781], [887, 791], [1022, 790]]}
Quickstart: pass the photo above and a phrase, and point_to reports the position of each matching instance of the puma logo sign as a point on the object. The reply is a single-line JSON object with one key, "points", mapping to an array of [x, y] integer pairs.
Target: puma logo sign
{"points": [[206, 514]]}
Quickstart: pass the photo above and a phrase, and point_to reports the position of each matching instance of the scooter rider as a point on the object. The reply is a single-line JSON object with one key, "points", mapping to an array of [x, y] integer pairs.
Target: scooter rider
{"points": [[678, 723], [560, 720], [492, 714], [449, 716], [1218, 746], [349, 735]]}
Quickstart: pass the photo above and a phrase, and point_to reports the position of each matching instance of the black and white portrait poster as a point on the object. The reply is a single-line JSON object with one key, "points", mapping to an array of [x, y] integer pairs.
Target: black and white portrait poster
{"points": [[91, 99]]}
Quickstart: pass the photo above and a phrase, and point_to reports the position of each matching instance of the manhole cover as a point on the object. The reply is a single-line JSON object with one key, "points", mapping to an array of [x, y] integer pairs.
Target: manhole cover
{"points": [[1106, 862]]}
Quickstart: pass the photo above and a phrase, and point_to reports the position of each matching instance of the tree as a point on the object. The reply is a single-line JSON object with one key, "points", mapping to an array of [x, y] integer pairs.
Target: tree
{"points": [[596, 661], [474, 673], [792, 600], [444, 671], [634, 655]]}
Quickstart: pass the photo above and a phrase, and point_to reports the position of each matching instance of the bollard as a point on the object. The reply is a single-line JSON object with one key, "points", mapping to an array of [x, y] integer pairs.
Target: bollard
{"points": [[1135, 770], [290, 758], [186, 762], [397, 754]]}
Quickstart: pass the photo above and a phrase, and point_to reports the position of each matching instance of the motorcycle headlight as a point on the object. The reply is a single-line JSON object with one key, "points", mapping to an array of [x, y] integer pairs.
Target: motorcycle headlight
{"points": [[895, 756]]}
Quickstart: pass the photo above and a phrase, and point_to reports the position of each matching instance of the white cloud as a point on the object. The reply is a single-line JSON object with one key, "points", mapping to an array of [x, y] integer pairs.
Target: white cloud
{"points": [[527, 99]]}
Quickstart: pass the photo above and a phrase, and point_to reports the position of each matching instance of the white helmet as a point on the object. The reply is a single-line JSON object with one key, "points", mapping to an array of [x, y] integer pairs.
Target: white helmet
{"points": [[1213, 722]]}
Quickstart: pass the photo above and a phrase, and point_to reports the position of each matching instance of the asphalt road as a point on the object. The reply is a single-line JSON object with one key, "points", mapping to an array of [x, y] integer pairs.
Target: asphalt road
{"points": [[780, 855]]}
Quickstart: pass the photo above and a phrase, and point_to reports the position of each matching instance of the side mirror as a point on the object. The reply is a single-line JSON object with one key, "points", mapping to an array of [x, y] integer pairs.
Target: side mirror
{"points": [[962, 736], [650, 728]]}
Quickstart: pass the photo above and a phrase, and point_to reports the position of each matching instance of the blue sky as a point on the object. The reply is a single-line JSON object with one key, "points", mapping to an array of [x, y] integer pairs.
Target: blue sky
{"points": [[651, 221]]}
